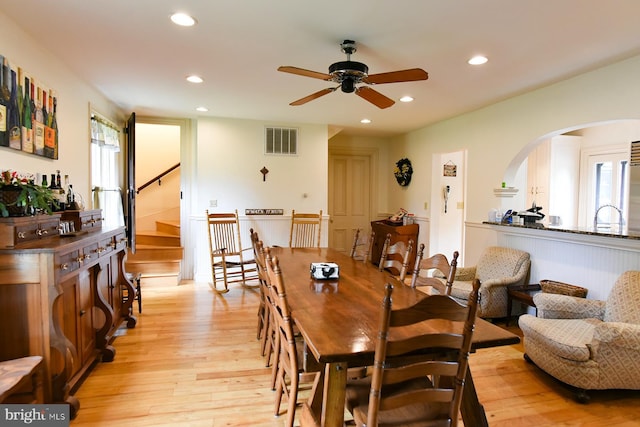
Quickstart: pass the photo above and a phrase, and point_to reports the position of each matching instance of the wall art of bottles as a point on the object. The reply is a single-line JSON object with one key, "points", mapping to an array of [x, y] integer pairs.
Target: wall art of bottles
{"points": [[28, 112]]}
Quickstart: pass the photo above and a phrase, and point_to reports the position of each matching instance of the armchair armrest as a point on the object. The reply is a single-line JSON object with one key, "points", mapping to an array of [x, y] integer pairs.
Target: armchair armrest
{"points": [[617, 334], [465, 273], [555, 306]]}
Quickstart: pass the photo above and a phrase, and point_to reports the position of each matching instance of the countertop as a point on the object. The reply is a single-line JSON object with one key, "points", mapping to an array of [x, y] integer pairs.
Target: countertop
{"points": [[573, 230]]}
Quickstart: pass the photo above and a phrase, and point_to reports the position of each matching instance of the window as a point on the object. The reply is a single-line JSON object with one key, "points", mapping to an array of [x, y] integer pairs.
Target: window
{"points": [[608, 185], [105, 170]]}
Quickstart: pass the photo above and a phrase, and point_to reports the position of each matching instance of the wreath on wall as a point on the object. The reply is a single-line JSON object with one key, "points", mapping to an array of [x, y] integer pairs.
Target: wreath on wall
{"points": [[403, 172]]}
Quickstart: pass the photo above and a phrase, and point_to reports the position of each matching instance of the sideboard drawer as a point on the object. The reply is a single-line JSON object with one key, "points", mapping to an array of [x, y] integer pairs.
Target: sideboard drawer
{"points": [[67, 262], [15, 231]]}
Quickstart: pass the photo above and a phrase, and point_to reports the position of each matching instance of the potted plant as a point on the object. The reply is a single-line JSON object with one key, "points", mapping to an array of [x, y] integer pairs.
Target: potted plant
{"points": [[21, 196]]}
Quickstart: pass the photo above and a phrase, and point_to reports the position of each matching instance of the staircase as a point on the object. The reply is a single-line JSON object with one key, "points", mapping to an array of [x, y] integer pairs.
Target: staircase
{"points": [[158, 252]]}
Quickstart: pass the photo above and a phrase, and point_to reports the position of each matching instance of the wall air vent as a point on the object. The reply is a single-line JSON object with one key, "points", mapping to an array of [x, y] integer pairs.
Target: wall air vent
{"points": [[283, 141], [635, 153]]}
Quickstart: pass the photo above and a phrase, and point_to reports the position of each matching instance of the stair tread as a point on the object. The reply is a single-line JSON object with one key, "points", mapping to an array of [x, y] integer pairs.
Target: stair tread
{"points": [[174, 223], [164, 247], [155, 233], [153, 261]]}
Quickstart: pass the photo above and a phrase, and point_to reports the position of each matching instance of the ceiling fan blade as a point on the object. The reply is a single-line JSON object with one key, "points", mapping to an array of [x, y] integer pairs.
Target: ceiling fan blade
{"points": [[305, 73], [313, 96], [374, 97], [410, 75]]}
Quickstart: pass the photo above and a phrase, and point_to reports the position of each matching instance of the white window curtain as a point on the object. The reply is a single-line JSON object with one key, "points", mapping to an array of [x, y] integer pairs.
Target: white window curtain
{"points": [[105, 149]]}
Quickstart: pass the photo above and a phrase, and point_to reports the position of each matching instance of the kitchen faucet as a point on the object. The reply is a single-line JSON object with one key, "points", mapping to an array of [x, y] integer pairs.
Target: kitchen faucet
{"points": [[595, 218]]}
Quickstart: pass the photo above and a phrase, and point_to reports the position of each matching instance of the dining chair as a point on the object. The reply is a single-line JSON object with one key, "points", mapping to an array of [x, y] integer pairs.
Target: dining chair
{"points": [[268, 338], [290, 372], [433, 271], [418, 373], [305, 230], [263, 313], [395, 258], [228, 263], [361, 247], [21, 380]]}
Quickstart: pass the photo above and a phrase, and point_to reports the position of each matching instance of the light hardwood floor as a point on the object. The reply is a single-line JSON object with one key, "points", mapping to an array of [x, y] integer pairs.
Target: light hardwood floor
{"points": [[193, 360]]}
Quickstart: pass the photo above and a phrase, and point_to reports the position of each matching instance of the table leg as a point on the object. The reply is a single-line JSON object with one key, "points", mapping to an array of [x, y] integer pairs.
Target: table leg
{"points": [[471, 409], [326, 404], [334, 395]]}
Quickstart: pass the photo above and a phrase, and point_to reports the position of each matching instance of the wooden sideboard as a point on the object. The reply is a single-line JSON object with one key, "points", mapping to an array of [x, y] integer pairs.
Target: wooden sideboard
{"points": [[399, 233], [62, 298]]}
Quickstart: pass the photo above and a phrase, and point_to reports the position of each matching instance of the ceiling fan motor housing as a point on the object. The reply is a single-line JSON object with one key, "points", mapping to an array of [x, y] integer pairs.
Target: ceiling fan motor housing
{"points": [[348, 74]]}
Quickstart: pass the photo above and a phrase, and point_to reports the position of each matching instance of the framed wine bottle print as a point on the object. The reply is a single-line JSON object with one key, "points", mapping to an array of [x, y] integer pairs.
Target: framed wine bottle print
{"points": [[28, 112]]}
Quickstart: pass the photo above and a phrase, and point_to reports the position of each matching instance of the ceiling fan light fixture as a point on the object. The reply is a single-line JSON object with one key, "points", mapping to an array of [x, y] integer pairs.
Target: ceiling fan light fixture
{"points": [[183, 19], [348, 85], [365, 121], [406, 98]]}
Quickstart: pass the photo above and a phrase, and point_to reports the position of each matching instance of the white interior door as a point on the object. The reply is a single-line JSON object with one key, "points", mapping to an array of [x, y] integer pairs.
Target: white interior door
{"points": [[447, 205], [349, 198]]}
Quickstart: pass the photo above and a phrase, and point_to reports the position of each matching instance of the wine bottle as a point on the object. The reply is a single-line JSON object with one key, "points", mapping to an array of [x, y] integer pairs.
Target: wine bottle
{"points": [[70, 196], [27, 125], [54, 126], [45, 115], [60, 193], [32, 100], [44, 180], [50, 136], [15, 132], [5, 97], [38, 125], [20, 95]]}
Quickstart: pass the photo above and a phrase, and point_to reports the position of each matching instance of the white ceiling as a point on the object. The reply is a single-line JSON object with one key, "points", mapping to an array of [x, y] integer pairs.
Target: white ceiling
{"points": [[131, 52]]}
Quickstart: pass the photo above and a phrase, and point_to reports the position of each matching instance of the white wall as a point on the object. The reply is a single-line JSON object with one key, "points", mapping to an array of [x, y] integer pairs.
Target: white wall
{"points": [[230, 155], [496, 135], [74, 100]]}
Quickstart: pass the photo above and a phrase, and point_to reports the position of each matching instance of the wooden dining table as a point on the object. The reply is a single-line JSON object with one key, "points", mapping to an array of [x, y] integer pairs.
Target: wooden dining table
{"points": [[339, 319]]}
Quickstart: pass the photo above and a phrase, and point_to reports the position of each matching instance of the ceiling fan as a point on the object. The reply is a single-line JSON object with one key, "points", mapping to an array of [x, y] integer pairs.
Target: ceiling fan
{"points": [[349, 74]]}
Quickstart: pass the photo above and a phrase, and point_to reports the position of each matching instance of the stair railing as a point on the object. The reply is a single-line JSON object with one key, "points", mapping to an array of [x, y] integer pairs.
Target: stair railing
{"points": [[158, 178]]}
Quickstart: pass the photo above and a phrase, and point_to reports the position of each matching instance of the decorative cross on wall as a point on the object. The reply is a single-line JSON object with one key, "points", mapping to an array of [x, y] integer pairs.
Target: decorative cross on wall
{"points": [[264, 172]]}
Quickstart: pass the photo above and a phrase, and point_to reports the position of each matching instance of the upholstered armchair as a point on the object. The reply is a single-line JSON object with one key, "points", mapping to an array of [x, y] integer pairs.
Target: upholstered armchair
{"points": [[588, 344], [496, 268]]}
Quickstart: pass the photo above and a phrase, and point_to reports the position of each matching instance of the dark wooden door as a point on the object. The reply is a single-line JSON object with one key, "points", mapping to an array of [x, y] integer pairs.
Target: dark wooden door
{"points": [[130, 220]]}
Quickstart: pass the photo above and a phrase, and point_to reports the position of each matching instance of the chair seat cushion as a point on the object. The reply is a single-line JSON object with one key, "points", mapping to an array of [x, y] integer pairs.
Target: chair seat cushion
{"points": [[461, 289], [14, 372], [566, 338]]}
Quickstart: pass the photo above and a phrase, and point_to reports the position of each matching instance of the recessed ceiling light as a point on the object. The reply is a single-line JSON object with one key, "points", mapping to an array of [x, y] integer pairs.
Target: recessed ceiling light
{"points": [[183, 19], [365, 121], [194, 79], [406, 99], [202, 109], [478, 60]]}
